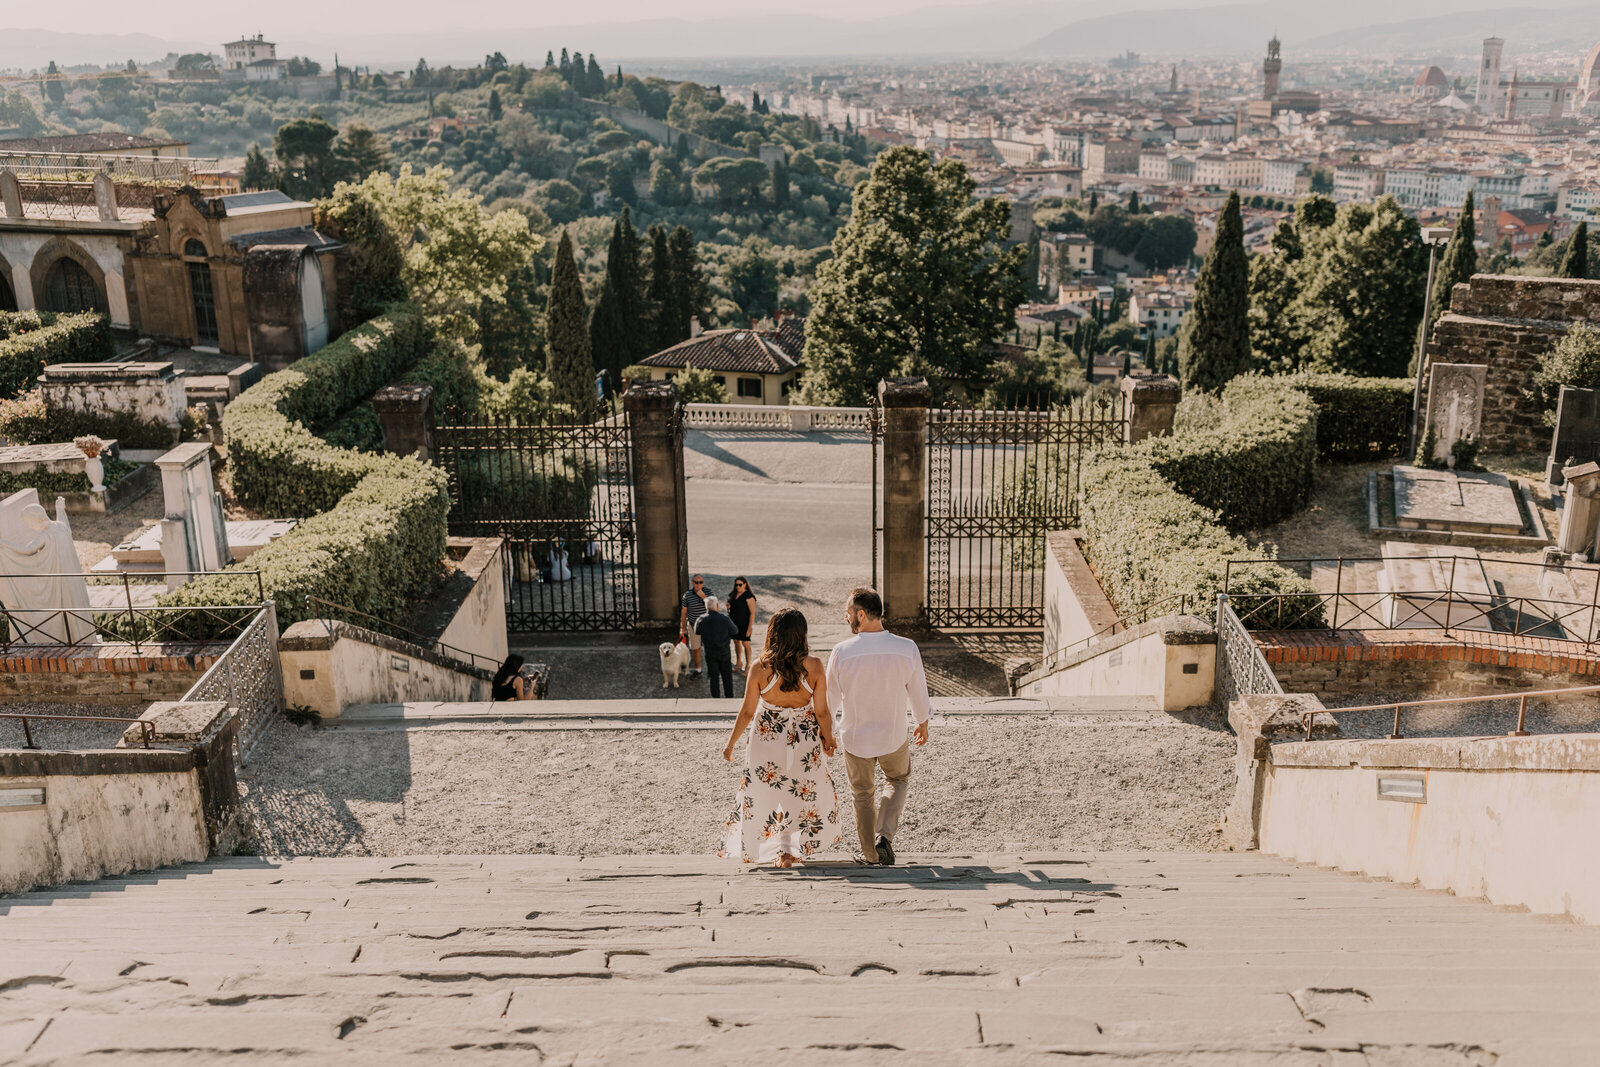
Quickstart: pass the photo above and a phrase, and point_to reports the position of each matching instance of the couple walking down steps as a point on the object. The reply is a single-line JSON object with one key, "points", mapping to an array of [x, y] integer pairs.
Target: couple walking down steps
{"points": [[786, 809]]}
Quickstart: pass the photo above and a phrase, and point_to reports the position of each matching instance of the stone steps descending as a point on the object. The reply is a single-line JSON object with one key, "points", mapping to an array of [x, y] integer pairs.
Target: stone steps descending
{"points": [[1141, 957]]}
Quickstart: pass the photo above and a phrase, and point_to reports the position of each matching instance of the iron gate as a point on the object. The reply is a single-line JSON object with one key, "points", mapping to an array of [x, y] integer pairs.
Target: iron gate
{"points": [[561, 494], [998, 482]]}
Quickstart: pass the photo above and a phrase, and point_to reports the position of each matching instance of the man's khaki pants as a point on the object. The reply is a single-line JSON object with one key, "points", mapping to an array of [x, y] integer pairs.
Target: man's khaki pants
{"points": [[874, 818]]}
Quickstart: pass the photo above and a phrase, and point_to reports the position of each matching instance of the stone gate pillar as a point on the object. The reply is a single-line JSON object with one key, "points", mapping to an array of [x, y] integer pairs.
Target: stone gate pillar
{"points": [[1152, 403], [660, 519], [905, 497], [406, 415]]}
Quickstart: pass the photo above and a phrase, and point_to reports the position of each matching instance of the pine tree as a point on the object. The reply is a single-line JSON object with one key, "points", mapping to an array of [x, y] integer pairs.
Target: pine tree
{"points": [[1215, 342], [780, 184], [1575, 262], [569, 361], [662, 310], [1459, 262], [495, 107]]}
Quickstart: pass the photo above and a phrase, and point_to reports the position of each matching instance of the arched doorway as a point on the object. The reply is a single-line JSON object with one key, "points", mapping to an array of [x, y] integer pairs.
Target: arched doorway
{"points": [[313, 311], [8, 298], [69, 288], [201, 294]]}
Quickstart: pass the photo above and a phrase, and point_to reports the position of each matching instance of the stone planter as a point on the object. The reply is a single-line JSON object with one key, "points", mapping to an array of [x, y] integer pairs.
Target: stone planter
{"points": [[95, 468]]}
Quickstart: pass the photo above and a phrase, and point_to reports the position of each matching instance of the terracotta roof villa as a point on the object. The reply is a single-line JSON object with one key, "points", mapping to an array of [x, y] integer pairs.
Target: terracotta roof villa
{"points": [[756, 366]]}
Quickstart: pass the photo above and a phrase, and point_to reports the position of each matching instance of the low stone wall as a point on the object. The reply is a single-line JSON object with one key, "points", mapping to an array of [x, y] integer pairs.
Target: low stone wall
{"points": [[1359, 663], [1508, 819], [1507, 323], [328, 665], [104, 674], [1075, 607], [113, 811], [1172, 659]]}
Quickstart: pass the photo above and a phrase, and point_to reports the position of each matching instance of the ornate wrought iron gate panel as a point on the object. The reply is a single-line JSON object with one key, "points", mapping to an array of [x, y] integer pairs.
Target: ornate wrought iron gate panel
{"points": [[998, 482], [561, 494]]}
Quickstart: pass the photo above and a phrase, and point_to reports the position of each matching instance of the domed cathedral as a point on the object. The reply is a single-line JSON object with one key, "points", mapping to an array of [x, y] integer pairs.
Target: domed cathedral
{"points": [[1586, 100], [1431, 84]]}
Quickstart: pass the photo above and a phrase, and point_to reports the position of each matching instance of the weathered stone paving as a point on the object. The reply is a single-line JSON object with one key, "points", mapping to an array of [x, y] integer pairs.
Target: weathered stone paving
{"points": [[1112, 958]]}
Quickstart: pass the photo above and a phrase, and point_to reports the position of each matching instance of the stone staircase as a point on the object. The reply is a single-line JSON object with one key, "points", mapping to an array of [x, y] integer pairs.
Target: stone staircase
{"points": [[1126, 958]]}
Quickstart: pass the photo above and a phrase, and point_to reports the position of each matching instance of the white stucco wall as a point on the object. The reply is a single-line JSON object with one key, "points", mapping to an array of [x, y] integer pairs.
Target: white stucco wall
{"points": [[100, 824], [1516, 821], [479, 625], [354, 672], [1144, 667]]}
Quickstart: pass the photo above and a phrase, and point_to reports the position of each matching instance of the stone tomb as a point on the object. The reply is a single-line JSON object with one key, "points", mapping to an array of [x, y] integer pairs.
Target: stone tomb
{"points": [[1434, 586], [63, 458], [1577, 436], [1455, 501], [142, 554], [1455, 404]]}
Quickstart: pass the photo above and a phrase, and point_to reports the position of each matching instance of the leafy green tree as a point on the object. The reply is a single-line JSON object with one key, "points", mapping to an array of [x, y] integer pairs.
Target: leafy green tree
{"points": [[1575, 260], [1276, 338], [188, 63], [373, 273], [306, 157], [1458, 263], [753, 278], [1574, 361], [301, 67], [1166, 241], [1361, 304], [258, 170], [697, 385], [569, 360], [361, 151], [736, 180], [920, 282], [1214, 344], [1315, 212], [55, 85], [511, 329]]}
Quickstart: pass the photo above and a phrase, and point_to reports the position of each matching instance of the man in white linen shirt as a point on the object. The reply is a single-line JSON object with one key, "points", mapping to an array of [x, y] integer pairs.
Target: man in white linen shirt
{"points": [[872, 678]]}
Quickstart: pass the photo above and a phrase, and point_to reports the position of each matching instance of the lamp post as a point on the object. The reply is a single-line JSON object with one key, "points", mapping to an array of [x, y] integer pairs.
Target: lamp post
{"points": [[1435, 237]]}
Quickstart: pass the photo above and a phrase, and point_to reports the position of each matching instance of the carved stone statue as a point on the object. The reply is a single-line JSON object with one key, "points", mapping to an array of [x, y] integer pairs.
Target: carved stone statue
{"points": [[41, 581]]}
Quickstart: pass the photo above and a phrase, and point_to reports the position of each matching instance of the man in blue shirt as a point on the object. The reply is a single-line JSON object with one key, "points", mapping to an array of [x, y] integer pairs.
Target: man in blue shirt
{"points": [[717, 632], [692, 605]]}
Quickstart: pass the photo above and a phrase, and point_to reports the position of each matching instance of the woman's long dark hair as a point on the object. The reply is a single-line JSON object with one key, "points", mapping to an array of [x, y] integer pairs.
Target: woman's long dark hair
{"points": [[787, 648], [734, 592], [508, 670]]}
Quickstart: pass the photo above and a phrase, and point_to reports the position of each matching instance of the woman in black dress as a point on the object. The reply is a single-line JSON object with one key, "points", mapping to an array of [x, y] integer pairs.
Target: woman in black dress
{"points": [[742, 610], [508, 682]]}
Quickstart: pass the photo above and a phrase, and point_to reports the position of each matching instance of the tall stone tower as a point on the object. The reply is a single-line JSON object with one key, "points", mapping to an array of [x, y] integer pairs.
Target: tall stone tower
{"points": [[1271, 67], [1172, 85], [1488, 98]]}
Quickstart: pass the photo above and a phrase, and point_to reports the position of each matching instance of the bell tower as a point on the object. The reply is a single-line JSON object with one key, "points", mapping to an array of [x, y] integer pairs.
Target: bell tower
{"points": [[1488, 95], [1271, 67]]}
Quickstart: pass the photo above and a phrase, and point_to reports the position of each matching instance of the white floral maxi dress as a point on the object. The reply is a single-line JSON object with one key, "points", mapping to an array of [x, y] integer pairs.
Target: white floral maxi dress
{"points": [[786, 801]]}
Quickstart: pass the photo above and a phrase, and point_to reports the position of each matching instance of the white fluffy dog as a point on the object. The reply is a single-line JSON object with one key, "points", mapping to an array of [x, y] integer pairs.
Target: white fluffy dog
{"points": [[674, 661]]}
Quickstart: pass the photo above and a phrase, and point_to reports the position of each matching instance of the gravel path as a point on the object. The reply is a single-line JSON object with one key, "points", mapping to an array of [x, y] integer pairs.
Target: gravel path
{"points": [[67, 736], [1068, 782]]}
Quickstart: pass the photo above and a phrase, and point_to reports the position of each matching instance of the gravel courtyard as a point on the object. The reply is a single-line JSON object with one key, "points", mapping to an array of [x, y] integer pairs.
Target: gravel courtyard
{"points": [[1066, 782]]}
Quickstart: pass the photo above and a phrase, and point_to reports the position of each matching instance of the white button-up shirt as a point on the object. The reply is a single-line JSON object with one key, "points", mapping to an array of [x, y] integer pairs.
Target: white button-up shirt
{"points": [[872, 679]]}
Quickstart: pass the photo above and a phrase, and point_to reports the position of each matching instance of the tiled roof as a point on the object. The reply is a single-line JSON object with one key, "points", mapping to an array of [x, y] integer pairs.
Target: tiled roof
{"points": [[86, 142], [737, 351]]}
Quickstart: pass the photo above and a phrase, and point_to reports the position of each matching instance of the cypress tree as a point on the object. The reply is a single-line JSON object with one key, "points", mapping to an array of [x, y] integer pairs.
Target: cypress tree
{"points": [[625, 269], [566, 66], [1150, 351], [1094, 202], [1215, 343], [596, 80], [688, 283], [495, 107], [780, 184], [549, 59], [1575, 262], [1458, 264], [569, 360], [1133, 202], [662, 309], [1127, 362], [680, 148], [619, 75]]}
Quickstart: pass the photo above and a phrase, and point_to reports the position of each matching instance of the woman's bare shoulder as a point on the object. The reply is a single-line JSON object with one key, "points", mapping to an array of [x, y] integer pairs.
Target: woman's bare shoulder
{"points": [[814, 664]]}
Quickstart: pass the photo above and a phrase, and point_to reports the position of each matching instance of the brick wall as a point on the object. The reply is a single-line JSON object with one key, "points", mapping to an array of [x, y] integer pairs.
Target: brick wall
{"points": [[1507, 323], [103, 674], [1423, 662]]}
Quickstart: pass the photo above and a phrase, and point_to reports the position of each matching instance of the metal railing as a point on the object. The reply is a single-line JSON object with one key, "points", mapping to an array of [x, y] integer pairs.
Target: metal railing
{"points": [[248, 677], [1176, 604], [78, 166], [1241, 668], [1457, 606], [76, 627], [1396, 707], [337, 613], [147, 729]]}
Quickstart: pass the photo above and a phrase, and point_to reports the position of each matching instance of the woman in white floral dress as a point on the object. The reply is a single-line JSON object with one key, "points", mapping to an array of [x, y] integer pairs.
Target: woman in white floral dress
{"points": [[786, 809]]}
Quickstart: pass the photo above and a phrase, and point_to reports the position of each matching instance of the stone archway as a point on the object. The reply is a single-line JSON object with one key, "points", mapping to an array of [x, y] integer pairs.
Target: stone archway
{"points": [[8, 292], [47, 267]]}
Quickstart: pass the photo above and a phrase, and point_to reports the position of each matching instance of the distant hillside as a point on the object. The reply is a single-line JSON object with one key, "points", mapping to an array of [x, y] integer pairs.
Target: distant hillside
{"points": [[1524, 29], [28, 49]]}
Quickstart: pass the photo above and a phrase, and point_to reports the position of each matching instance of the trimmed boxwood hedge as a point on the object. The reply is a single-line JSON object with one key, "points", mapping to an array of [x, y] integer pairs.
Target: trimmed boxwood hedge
{"points": [[1157, 517], [278, 466], [1359, 418], [1254, 467], [31, 339], [51, 482]]}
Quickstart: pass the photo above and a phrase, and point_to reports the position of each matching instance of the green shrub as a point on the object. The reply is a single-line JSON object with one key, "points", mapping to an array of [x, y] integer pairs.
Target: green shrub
{"points": [[359, 430], [1148, 541], [380, 547], [278, 466], [29, 340], [1358, 418], [1253, 466], [51, 482], [1574, 361]]}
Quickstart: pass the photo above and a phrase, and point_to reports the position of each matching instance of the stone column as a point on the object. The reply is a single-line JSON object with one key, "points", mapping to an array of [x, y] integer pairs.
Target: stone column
{"points": [[10, 195], [905, 497], [1582, 511], [1151, 404], [406, 412], [105, 197], [661, 548]]}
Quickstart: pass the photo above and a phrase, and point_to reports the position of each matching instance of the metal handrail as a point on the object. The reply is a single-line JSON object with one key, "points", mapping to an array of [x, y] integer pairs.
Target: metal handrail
{"points": [[27, 621], [147, 729], [416, 638], [1521, 698], [1124, 622]]}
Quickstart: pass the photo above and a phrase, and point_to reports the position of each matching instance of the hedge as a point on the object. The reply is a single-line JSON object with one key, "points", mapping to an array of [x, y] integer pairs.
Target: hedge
{"points": [[29, 340], [1253, 467], [51, 482], [1359, 418], [379, 548], [1148, 541], [278, 466]]}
